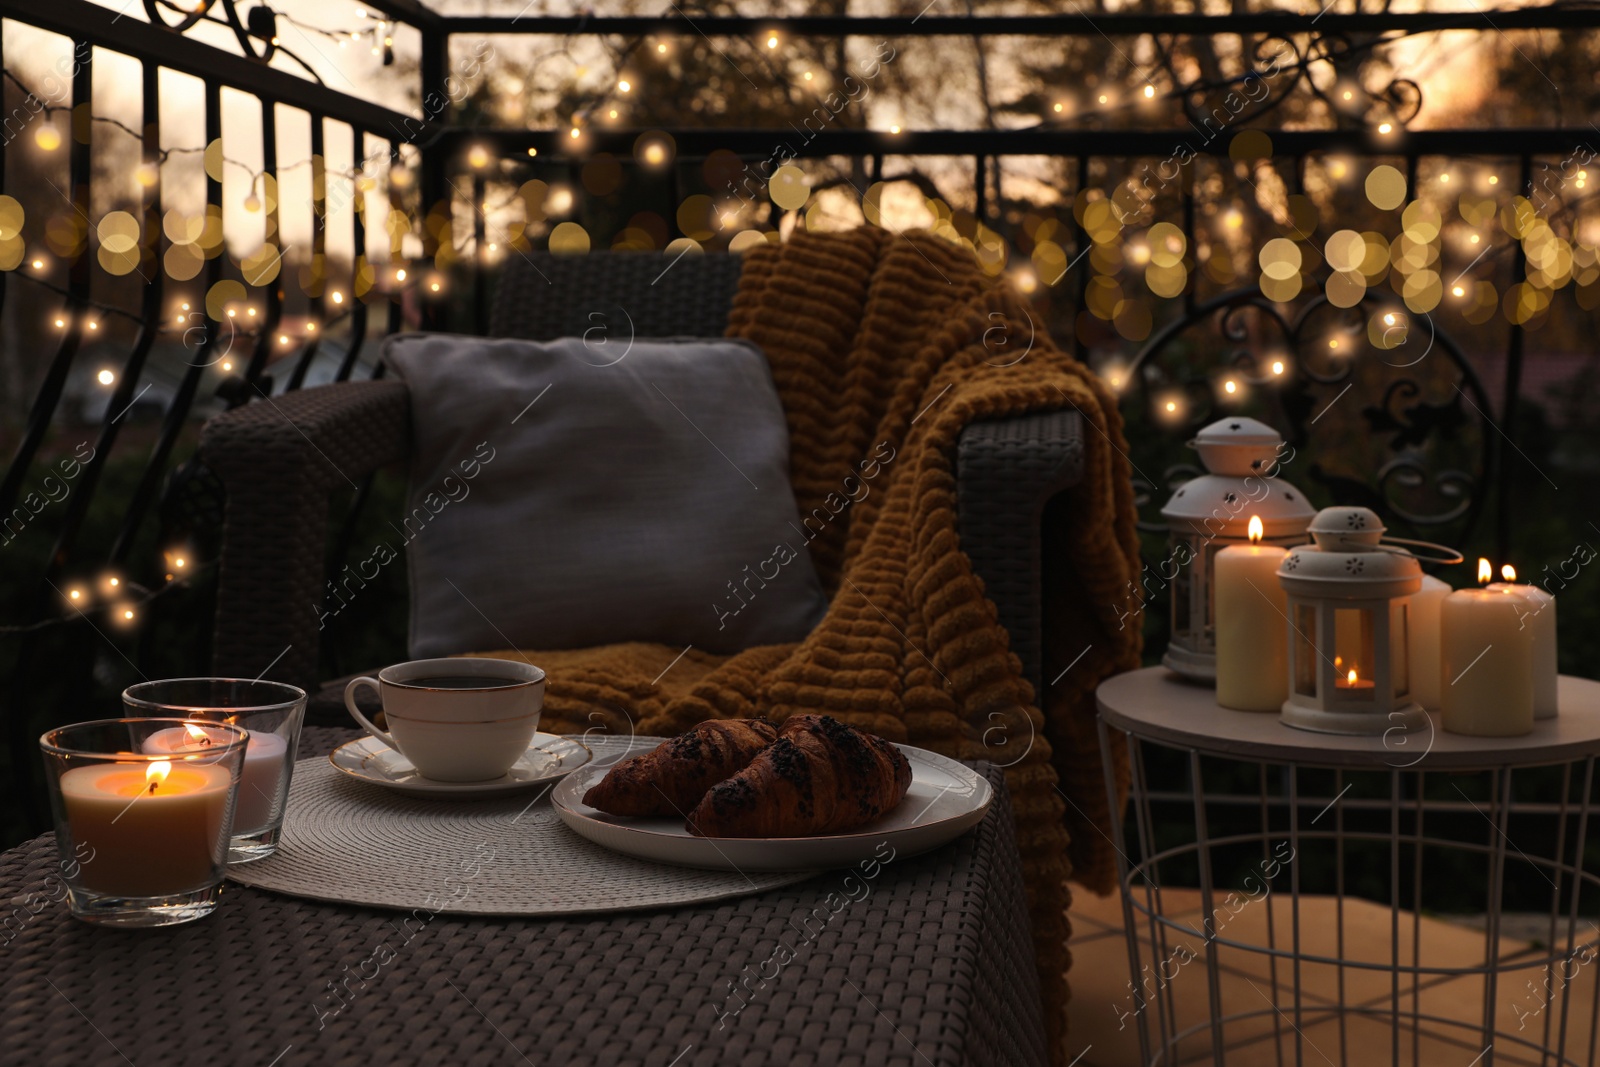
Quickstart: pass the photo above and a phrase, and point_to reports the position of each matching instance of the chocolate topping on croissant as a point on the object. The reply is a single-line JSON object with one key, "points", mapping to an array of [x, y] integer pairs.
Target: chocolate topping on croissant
{"points": [[673, 777], [821, 776]]}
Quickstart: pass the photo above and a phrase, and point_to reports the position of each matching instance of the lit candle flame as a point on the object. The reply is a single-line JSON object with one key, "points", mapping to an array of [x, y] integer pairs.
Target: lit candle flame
{"points": [[1257, 531], [1485, 572], [157, 773], [198, 734], [1508, 572], [1351, 677]]}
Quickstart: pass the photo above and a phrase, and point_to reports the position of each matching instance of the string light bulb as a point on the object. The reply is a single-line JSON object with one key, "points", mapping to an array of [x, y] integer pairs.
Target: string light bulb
{"points": [[283, 339], [772, 40], [252, 203], [1149, 92], [227, 364], [400, 274], [1385, 128], [1277, 366], [338, 297], [478, 157], [624, 86], [75, 595], [38, 264], [47, 137], [105, 377]]}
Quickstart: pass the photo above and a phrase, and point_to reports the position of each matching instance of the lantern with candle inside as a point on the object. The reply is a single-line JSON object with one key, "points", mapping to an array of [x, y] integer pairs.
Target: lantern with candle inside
{"points": [[1208, 514], [143, 836], [272, 712], [1540, 621], [1348, 596]]}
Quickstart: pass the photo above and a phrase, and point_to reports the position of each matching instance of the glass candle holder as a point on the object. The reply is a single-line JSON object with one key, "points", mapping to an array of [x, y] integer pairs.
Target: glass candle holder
{"points": [[272, 712], [143, 835]]}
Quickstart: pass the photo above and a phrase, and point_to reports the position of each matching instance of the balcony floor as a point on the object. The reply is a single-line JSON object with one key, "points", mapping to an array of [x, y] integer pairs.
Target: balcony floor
{"points": [[1102, 999]]}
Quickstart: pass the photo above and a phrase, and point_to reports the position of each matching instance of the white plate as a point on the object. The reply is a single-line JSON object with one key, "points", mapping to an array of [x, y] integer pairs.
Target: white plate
{"points": [[549, 758], [945, 800]]}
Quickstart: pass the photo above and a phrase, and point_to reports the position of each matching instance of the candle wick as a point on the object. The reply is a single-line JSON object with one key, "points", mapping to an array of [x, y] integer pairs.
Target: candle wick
{"points": [[152, 787]]}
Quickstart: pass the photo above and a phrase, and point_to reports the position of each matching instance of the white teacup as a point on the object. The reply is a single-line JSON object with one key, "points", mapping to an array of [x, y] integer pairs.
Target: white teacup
{"points": [[456, 720]]}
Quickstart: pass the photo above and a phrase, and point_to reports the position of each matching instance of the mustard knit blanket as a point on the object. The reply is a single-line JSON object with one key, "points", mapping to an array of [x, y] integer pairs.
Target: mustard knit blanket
{"points": [[883, 348]]}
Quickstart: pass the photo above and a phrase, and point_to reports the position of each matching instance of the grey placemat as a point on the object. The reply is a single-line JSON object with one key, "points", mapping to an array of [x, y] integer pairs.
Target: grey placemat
{"points": [[356, 844]]}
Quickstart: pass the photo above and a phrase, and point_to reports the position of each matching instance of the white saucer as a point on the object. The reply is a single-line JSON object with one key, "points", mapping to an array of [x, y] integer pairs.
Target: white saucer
{"points": [[549, 758], [946, 800]]}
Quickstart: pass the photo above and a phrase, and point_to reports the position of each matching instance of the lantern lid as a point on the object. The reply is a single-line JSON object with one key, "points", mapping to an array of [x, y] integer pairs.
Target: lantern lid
{"points": [[1237, 447], [1349, 560], [1222, 506]]}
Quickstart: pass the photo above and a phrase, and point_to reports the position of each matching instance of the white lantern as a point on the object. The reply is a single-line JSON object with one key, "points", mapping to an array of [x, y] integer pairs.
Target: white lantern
{"points": [[1349, 597], [1242, 458]]}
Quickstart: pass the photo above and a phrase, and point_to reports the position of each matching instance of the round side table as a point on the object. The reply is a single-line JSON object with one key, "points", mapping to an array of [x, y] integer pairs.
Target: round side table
{"points": [[1302, 898]]}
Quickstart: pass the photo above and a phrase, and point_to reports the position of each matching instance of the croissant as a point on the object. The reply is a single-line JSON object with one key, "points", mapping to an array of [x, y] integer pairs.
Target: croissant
{"points": [[673, 777], [820, 777]]}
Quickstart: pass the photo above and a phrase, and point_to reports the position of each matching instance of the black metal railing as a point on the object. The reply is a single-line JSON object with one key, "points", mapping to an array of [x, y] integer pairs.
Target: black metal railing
{"points": [[1448, 455]]}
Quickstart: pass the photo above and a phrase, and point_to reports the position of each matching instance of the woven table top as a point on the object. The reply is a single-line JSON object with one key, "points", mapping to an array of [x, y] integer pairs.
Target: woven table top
{"points": [[924, 961]]}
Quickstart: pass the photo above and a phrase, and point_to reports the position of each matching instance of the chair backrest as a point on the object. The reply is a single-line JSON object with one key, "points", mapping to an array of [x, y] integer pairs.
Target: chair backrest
{"points": [[624, 294]]}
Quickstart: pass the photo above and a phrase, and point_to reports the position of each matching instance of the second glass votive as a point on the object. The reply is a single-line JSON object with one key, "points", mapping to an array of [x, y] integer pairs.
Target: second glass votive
{"points": [[272, 712]]}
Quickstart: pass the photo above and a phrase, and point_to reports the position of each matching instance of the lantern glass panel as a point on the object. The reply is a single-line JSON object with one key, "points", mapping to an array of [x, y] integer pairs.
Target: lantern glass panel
{"points": [[1210, 549], [1305, 650], [1352, 630], [1399, 656], [1182, 583]]}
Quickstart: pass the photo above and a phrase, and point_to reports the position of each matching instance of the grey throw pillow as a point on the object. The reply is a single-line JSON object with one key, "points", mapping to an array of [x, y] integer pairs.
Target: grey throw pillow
{"points": [[563, 497]]}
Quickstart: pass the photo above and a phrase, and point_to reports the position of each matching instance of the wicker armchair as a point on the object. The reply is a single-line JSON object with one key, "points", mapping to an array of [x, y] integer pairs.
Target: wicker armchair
{"points": [[279, 459]]}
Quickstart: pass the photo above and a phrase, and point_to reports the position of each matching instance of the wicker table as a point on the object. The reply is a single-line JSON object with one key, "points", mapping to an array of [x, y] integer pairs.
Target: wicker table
{"points": [[932, 964], [1280, 830]]}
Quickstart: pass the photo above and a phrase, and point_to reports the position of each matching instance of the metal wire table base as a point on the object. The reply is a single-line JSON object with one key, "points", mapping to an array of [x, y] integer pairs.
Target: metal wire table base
{"points": [[1324, 887]]}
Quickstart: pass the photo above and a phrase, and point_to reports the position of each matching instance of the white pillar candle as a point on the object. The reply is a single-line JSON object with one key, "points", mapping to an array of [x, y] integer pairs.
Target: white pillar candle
{"points": [[151, 829], [259, 781], [1422, 641], [1251, 624], [1487, 682], [1541, 623]]}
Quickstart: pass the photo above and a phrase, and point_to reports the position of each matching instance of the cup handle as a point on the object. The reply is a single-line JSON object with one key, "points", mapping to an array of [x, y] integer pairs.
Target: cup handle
{"points": [[350, 703]]}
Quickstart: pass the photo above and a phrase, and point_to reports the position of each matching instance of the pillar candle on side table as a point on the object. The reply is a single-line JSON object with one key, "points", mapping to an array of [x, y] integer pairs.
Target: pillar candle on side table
{"points": [[1251, 626], [1423, 641], [1541, 623], [1487, 680]]}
